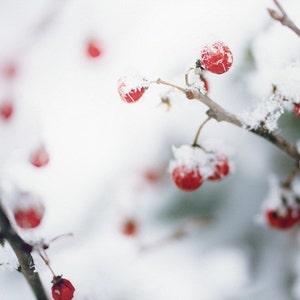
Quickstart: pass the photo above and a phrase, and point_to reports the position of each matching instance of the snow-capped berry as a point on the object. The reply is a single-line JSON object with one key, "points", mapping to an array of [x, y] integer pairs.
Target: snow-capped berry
{"points": [[297, 109], [221, 169], [131, 89], [187, 179], [40, 157], [6, 109], [129, 227], [216, 57], [93, 50], [279, 220], [29, 215], [62, 288]]}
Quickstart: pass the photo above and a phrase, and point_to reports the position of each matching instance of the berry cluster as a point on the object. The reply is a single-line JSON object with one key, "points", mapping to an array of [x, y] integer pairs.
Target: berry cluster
{"points": [[281, 208], [193, 165], [282, 218]]}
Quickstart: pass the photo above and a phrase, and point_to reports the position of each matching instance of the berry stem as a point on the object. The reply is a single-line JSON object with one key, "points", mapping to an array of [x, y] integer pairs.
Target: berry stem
{"points": [[195, 142], [160, 81], [47, 262], [288, 180]]}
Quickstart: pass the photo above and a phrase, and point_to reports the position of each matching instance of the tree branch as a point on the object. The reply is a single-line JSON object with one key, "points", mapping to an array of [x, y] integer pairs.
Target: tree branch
{"points": [[220, 114], [282, 17], [23, 253]]}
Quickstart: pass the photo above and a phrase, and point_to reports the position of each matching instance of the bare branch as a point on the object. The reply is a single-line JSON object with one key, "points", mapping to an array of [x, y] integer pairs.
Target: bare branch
{"points": [[282, 17], [23, 253]]}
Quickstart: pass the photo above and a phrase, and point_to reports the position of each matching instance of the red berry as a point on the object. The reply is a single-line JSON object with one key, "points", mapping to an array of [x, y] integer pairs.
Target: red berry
{"points": [[6, 109], [185, 179], [129, 227], [216, 58], [40, 157], [93, 50], [29, 217], [62, 289], [221, 169], [280, 221], [130, 95], [297, 109]]}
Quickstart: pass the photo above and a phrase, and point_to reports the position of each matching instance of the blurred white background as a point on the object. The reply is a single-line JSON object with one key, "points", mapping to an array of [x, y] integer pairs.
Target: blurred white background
{"points": [[100, 146]]}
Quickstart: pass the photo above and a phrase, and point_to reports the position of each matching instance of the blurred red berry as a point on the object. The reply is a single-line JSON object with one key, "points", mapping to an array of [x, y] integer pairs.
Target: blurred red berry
{"points": [[129, 227], [221, 169], [280, 221], [185, 179], [153, 175], [40, 157], [130, 95], [10, 70], [297, 109], [93, 50], [6, 109], [216, 58], [29, 216], [62, 289]]}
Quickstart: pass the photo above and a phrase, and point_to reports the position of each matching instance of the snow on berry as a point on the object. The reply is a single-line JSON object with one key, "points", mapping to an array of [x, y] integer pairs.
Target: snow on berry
{"points": [[40, 157], [6, 109], [191, 166], [28, 210], [222, 168], [62, 288], [216, 57], [287, 83], [132, 88], [280, 208], [185, 179]]}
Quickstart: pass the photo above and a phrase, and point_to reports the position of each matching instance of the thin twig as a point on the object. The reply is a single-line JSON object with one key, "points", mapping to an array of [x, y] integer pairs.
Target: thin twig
{"points": [[195, 143], [282, 17], [220, 114], [287, 182]]}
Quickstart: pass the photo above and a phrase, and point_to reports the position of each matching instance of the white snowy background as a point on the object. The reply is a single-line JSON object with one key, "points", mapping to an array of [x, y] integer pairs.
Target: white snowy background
{"points": [[100, 146]]}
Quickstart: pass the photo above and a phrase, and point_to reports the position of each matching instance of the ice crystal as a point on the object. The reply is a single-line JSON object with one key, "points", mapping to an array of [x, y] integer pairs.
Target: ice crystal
{"points": [[265, 114]]}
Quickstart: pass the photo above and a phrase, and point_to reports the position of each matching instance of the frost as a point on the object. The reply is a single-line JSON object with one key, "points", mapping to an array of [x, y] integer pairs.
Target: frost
{"points": [[131, 82], [287, 83], [195, 157], [265, 114], [195, 83], [8, 258]]}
